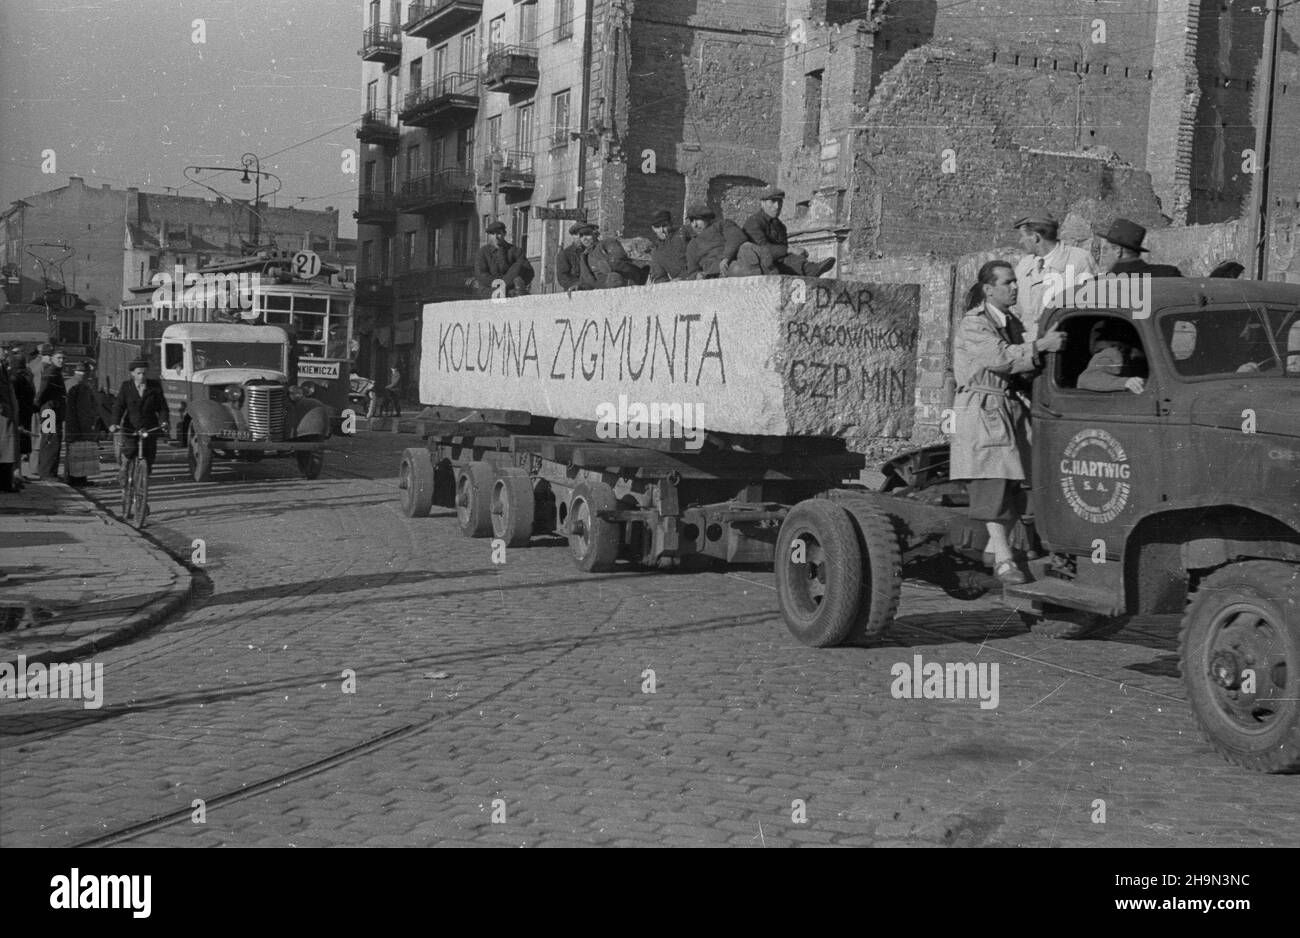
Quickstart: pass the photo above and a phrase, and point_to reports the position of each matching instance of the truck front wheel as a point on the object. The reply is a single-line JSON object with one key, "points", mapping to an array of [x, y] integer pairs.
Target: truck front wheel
{"points": [[310, 462], [1240, 649], [200, 458]]}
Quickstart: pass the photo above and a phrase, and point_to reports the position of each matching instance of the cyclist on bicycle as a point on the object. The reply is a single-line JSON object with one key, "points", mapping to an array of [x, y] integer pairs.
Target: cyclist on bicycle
{"points": [[140, 405]]}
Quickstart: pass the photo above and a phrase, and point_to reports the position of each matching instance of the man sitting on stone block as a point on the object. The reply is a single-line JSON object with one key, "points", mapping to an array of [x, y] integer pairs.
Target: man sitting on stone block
{"points": [[498, 259], [770, 249], [713, 246]]}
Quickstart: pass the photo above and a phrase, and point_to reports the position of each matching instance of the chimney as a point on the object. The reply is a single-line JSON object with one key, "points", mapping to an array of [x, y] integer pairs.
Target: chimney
{"points": [[132, 205], [76, 182]]}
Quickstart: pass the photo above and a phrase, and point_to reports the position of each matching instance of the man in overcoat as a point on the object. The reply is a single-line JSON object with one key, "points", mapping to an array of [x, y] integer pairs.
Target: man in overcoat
{"points": [[498, 259], [51, 397], [1048, 270], [713, 245], [668, 256]]}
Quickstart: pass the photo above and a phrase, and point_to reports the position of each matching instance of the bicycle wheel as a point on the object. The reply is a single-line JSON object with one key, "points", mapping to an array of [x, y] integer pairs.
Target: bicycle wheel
{"points": [[141, 492], [127, 479]]}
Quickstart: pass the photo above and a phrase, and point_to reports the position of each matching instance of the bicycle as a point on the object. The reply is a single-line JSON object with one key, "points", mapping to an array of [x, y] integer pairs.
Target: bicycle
{"points": [[135, 481]]}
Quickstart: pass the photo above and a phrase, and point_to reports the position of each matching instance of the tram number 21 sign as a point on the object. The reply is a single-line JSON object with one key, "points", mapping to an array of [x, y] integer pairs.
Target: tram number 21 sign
{"points": [[306, 264]]}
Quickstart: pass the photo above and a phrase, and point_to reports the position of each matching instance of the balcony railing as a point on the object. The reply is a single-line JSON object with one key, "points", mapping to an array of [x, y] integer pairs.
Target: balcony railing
{"points": [[378, 125], [376, 208], [451, 96], [434, 283], [515, 170], [443, 188], [380, 42], [511, 69], [436, 19]]}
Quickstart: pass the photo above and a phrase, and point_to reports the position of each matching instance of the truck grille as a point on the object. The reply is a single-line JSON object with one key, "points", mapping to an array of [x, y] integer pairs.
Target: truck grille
{"points": [[266, 406]]}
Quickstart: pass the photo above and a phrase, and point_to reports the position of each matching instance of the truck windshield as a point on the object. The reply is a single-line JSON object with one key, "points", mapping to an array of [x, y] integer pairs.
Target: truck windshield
{"points": [[238, 355], [1252, 342]]}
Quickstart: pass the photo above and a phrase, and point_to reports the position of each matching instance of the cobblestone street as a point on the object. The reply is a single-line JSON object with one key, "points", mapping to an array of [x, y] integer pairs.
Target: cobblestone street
{"points": [[508, 704]]}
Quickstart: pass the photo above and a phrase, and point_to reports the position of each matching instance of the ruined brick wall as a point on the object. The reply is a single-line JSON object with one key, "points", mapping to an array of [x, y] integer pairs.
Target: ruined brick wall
{"points": [[1010, 153], [705, 79]]}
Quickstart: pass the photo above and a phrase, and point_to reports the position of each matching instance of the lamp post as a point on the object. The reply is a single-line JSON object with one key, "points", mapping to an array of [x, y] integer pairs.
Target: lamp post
{"points": [[247, 160], [251, 167]]}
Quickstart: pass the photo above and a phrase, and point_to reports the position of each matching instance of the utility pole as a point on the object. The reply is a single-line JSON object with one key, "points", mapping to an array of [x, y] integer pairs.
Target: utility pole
{"points": [[1263, 140]]}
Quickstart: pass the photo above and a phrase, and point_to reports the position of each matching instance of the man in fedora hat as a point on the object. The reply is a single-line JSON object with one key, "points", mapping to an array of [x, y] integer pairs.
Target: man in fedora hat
{"points": [[770, 251], [498, 259], [1121, 251], [1048, 268], [714, 243], [668, 256]]}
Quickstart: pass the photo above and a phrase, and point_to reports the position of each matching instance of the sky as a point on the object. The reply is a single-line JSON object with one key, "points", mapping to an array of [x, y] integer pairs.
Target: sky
{"points": [[122, 94]]}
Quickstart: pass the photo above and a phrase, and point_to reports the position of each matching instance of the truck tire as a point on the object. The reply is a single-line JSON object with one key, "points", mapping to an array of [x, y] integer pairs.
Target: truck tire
{"points": [[1243, 626], [474, 499], [882, 571], [1058, 622], [512, 507], [592, 540], [310, 462], [415, 482], [200, 458], [819, 573]]}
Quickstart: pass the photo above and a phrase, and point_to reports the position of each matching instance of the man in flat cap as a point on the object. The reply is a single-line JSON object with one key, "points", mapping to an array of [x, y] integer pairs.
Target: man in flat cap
{"points": [[1048, 270], [605, 264], [498, 259], [83, 426], [713, 245], [668, 256], [770, 251], [568, 262], [140, 405], [51, 397], [1121, 250]]}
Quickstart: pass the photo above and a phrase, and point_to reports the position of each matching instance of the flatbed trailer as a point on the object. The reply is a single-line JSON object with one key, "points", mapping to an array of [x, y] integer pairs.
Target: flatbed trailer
{"points": [[511, 475]]}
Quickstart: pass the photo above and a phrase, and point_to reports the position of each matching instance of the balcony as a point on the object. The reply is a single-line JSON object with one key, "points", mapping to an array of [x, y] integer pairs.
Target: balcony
{"points": [[511, 69], [514, 169], [434, 284], [376, 208], [436, 19], [442, 189], [452, 97], [380, 42], [378, 125], [374, 291]]}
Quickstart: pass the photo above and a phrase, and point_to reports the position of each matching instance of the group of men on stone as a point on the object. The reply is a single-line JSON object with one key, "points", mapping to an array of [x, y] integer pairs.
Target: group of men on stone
{"points": [[706, 247], [38, 403]]}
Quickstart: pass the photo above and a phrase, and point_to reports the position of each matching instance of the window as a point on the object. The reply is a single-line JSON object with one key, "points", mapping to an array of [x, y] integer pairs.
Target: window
{"points": [[465, 148], [372, 95], [1239, 342], [416, 80], [1086, 337], [432, 246], [395, 12], [173, 356], [528, 22], [519, 228], [436, 155], [460, 243], [496, 34], [439, 65], [388, 255], [494, 132], [367, 258], [368, 178], [412, 161], [524, 127], [563, 19], [390, 90], [812, 108], [408, 250], [468, 54], [374, 12], [560, 119]]}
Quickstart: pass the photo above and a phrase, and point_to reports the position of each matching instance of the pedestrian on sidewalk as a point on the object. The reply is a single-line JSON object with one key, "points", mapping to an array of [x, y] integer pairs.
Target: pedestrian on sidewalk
{"points": [[9, 453], [394, 382], [83, 425], [25, 391], [51, 397]]}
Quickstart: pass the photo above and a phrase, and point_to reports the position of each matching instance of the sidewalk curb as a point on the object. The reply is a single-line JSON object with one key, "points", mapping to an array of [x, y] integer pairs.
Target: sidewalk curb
{"points": [[176, 597]]}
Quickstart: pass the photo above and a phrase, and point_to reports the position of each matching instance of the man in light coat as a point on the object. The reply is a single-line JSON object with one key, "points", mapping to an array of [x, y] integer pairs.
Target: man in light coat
{"points": [[1048, 270]]}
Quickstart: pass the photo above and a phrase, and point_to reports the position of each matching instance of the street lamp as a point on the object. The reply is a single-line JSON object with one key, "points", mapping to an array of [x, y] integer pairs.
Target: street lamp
{"points": [[251, 167]]}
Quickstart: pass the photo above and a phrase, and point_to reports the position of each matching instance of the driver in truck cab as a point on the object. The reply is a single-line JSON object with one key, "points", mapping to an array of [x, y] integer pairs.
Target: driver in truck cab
{"points": [[140, 405]]}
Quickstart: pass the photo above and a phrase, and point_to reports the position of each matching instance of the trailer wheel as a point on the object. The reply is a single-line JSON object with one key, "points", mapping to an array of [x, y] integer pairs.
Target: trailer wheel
{"points": [[200, 458], [512, 507], [819, 573], [1240, 648], [592, 540], [310, 462], [474, 499], [415, 482], [882, 580]]}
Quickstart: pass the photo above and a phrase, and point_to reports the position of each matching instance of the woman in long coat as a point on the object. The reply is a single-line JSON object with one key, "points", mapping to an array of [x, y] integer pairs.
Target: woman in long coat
{"points": [[993, 366], [82, 427]]}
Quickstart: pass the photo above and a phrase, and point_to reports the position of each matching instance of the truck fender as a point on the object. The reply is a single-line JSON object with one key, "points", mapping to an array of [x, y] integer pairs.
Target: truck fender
{"points": [[310, 419], [208, 417]]}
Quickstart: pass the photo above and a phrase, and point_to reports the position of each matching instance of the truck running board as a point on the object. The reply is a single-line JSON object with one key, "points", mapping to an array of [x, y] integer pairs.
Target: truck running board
{"points": [[1058, 592]]}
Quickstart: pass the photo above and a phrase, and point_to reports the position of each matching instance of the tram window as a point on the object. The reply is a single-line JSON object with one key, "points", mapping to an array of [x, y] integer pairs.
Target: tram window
{"points": [[278, 319], [310, 304], [273, 301]]}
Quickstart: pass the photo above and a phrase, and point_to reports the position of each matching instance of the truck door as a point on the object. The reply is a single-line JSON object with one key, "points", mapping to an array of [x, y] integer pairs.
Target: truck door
{"points": [[175, 382], [1100, 456]]}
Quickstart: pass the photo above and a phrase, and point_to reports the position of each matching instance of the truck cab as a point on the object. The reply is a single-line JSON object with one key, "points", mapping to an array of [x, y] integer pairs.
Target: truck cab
{"points": [[1184, 498], [228, 389]]}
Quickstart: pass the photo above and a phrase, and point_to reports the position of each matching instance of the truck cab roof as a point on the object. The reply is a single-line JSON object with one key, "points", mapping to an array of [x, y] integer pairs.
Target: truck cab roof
{"points": [[225, 332]]}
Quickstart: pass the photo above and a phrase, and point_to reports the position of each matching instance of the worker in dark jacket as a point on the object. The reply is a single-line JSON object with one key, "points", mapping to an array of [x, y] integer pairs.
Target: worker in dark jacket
{"points": [[140, 405], [1121, 251], [82, 426], [668, 256], [713, 244], [605, 264], [568, 266], [51, 396], [771, 251], [498, 259]]}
